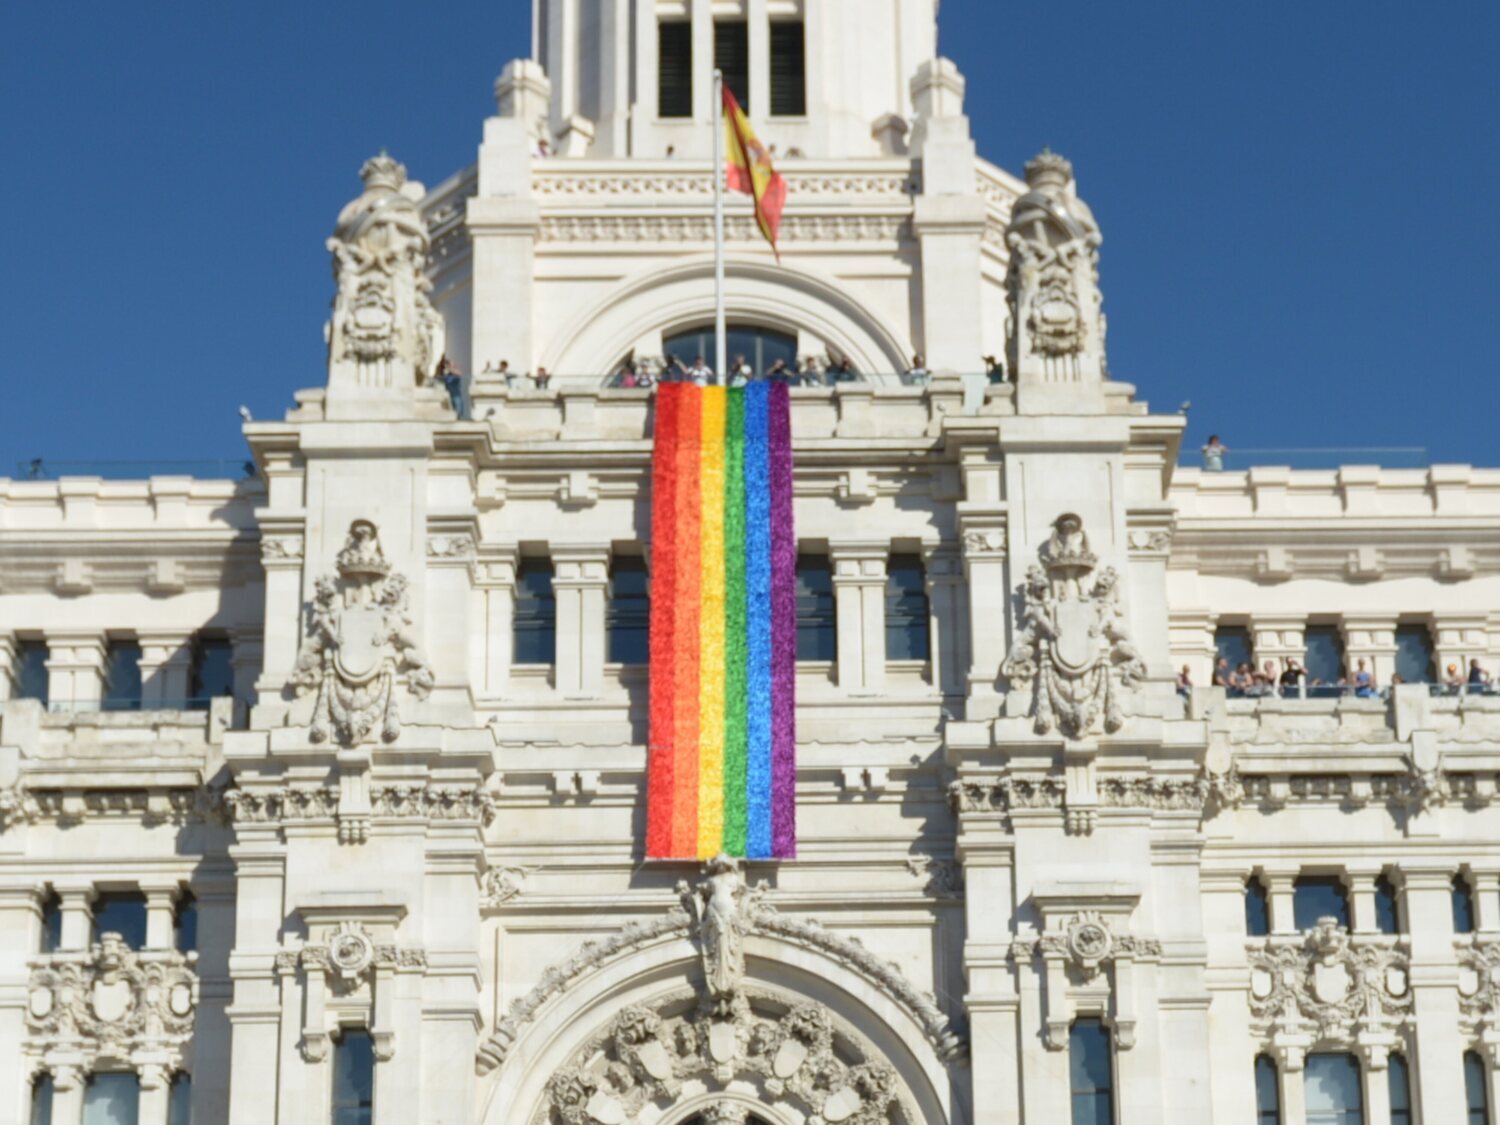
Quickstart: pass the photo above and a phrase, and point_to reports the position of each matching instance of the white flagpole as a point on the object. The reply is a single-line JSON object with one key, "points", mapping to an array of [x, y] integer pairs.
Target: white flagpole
{"points": [[720, 332]]}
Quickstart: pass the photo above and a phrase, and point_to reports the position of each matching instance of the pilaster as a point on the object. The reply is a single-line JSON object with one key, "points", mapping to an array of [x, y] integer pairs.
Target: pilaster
{"points": [[7, 666], [947, 598], [859, 577], [75, 667], [504, 233], [580, 582], [166, 666], [1370, 637], [76, 902], [1427, 891], [497, 586]]}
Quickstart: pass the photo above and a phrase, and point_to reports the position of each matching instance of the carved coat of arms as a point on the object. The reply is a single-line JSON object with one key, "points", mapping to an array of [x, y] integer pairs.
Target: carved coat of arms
{"points": [[360, 646], [1073, 645]]}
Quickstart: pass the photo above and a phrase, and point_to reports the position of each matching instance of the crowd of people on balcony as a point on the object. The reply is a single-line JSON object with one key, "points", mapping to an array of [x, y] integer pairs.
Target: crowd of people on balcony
{"points": [[1245, 681], [806, 371]]}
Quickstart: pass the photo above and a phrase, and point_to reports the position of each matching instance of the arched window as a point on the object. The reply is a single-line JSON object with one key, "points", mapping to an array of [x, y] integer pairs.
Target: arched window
{"points": [[1334, 1095], [1463, 906], [1398, 1082], [1257, 908], [1267, 1092], [112, 1099], [1091, 1073], [353, 1078], [1476, 1091], [760, 347]]}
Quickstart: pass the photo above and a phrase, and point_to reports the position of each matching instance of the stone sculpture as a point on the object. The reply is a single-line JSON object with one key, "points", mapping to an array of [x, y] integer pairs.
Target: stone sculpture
{"points": [[1057, 326], [360, 646], [384, 332], [1073, 643]]}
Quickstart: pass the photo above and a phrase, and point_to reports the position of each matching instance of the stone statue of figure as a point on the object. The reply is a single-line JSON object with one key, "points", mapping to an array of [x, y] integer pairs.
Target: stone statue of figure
{"points": [[719, 927], [1057, 327], [384, 332], [1067, 557]]}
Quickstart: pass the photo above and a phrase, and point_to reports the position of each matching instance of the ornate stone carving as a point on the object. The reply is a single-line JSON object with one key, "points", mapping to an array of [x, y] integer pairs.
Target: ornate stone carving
{"points": [[351, 951], [112, 1001], [400, 802], [718, 914], [1157, 793], [17, 806], [648, 1056], [699, 228], [384, 326], [1057, 326], [942, 878], [360, 646], [1479, 981], [1006, 794], [1073, 643], [450, 547], [284, 548], [1330, 985], [504, 884]]}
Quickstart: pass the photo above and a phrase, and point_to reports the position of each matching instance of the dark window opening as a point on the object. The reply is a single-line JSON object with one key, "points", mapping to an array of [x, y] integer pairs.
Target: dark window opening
{"points": [[41, 1100], [212, 670], [732, 58], [51, 938], [111, 1099], [185, 923], [123, 913], [1232, 645], [1463, 906], [353, 1078], [180, 1100], [1267, 1092], [1398, 1083], [1315, 897], [1415, 658], [1476, 1089], [31, 671], [535, 622], [674, 70], [788, 69], [1334, 1093], [817, 632], [122, 676], [907, 614], [758, 347], [1091, 1073], [1387, 920], [627, 614], [1325, 658], [1257, 908]]}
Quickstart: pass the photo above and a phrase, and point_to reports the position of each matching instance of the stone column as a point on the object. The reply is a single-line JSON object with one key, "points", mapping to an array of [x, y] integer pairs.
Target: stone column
{"points": [[497, 582], [1459, 638], [946, 595], [76, 899], [1374, 1062], [446, 628], [67, 1095], [1190, 635], [246, 659], [155, 1092], [1290, 1074], [1485, 882], [166, 667], [613, 132], [702, 12], [281, 556], [256, 1011], [1279, 638], [1427, 891], [7, 666], [161, 901], [580, 580], [1231, 1044], [1359, 881], [446, 999], [760, 58], [984, 559], [859, 591], [646, 93], [1281, 901], [75, 668], [987, 853], [1370, 637]]}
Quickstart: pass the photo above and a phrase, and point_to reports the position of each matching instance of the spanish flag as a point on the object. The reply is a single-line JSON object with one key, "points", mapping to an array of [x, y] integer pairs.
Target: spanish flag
{"points": [[749, 170]]}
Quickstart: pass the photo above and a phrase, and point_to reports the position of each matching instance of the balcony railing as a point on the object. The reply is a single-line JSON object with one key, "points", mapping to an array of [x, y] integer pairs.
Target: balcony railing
{"points": [[1331, 457], [44, 468]]}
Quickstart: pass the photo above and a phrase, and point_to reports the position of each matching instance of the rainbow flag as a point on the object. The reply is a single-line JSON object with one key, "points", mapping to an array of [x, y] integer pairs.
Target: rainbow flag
{"points": [[722, 767]]}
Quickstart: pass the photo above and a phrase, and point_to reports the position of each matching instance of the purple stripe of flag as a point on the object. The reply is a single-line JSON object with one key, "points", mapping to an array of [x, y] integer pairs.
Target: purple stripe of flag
{"points": [[783, 628]]}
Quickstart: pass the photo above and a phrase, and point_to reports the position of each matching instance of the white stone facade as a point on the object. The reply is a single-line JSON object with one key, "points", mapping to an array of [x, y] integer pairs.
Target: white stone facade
{"points": [[390, 824]]}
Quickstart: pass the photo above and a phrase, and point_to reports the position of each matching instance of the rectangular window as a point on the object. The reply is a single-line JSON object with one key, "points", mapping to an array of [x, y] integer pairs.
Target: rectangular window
{"points": [[123, 913], [353, 1078], [111, 1099], [1386, 919], [732, 56], [1267, 1092], [674, 73], [1257, 908], [907, 615], [41, 1100], [1232, 647], [1334, 1095], [122, 676], [788, 69], [1325, 659], [51, 922], [535, 622], [1398, 1083], [627, 613], [212, 670], [185, 923], [31, 671], [817, 622], [1463, 906], [180, 1100], [1091, 1073], [1476, 1089], [1315, 897], [1414, 654]]}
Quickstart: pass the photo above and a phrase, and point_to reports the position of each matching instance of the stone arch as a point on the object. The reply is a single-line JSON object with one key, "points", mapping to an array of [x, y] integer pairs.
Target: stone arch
{"points": [[783, 297], [576, 1030]]}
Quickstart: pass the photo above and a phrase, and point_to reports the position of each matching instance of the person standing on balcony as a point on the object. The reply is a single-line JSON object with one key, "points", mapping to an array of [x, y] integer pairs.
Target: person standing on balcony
{"points": [[1291, 679], [1213, 454], [1364, 681], [918, 375], [1479, 679]]}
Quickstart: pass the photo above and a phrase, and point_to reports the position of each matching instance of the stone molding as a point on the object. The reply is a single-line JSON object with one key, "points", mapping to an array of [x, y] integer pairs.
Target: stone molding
{"points": [[649, 229], [289, 803], [614, 184]]}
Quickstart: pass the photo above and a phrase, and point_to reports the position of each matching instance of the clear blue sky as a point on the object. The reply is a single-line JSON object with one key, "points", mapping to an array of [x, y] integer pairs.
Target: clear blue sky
{"points": [[1298, 200]]}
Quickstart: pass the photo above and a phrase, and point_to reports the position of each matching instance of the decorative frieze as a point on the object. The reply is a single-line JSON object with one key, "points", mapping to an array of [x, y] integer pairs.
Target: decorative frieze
{"points": [[415, 802]]}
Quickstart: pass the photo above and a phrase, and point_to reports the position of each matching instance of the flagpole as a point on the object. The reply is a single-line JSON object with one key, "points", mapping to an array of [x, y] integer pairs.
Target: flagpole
{"points": [[720, 332]]}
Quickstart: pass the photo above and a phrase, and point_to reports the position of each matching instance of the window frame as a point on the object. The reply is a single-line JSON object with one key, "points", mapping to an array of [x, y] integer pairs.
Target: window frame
{"points": [[1346, 1115], [817, 615], [1402, 1108], [339, 1051], [124, 897], [787, 102], [1262, 896], [682, 77], [1267, 1114], [534, 615], [1476, 1093], [1100, 1034], [625, 620], [1461, 897], [1311, 880], [904, 622]]}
